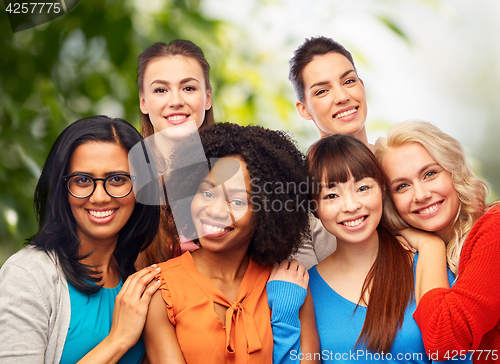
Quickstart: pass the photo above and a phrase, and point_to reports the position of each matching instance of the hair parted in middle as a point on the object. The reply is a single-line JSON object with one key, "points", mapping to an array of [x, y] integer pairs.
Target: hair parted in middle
{"points": [[449, 154], [312, 47], [57, 225], [336, 159], [277, 172], [178, 47]]}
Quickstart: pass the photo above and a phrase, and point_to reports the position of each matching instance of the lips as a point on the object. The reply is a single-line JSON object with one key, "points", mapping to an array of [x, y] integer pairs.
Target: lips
{"points": [[428, 210], [101, 216], [355, 223], [176, 119], [214, 230], [344, 113]]}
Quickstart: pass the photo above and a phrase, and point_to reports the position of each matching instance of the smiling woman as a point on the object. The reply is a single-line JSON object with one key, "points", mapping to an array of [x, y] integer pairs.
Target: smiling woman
{"points": [[434, 190], [175, 98], [73, 294], [219, 290]]}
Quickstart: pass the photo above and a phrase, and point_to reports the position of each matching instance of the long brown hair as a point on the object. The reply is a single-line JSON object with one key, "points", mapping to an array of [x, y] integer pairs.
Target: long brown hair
{"points": [[335, 159], [178, 47], [166, 245]]}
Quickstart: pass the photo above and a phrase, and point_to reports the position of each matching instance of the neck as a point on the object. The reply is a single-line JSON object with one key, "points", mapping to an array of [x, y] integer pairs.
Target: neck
{"points": [[357, 255], [228, 266], [101, 259]]}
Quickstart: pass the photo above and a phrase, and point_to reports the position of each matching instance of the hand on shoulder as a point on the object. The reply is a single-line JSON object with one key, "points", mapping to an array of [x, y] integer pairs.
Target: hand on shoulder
{"points": [[290, 271]]}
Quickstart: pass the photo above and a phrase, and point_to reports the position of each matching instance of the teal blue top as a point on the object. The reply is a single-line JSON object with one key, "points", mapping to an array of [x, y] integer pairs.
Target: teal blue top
{"points": [[91, 319]]}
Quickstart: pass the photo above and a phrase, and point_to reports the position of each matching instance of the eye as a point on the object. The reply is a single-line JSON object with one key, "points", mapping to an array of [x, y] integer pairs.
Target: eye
{"points": [[117, 180], [160, 90], [206, 194], [430, 174], [238, 203], [401, 187], [319, 92], [363, 188], [190, 88], [82, 180], [349, 81], [330, 196]]}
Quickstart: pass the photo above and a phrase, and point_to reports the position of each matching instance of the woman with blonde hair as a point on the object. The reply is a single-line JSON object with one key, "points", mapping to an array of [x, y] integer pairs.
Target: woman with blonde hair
{"points": [[434, 190]]}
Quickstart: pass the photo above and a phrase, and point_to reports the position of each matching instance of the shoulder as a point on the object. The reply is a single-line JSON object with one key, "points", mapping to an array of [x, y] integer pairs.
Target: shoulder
{"points": [[489, 223], [40, 266]]}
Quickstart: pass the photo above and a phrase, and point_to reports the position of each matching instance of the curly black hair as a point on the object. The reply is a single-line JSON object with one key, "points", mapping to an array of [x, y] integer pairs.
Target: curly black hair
{"points": [[278, 185]]}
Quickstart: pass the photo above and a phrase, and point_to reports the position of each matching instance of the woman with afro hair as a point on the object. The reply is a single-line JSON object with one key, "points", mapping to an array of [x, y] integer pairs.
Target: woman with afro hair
{"points": [[245, 205]]}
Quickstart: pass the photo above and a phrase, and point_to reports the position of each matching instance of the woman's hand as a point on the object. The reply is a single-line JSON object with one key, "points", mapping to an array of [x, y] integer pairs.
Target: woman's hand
{"points": [[415, 240], [292, 272], [129, 317], [131, 305]]}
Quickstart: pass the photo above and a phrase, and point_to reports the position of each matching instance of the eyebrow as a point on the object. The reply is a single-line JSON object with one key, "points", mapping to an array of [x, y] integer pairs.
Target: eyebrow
{"points": [[183, 81], [321, 83], [105, 174], [210, 183], [397, 180]]}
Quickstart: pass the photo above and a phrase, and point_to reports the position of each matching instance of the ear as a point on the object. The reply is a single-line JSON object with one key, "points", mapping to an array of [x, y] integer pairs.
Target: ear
{"points": [[360, 80], [143, 105], [301, 108], [208, 101]]}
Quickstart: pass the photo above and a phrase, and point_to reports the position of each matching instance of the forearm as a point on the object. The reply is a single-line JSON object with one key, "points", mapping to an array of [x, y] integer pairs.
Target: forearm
{"points": [[108, 351], [431, 270]]}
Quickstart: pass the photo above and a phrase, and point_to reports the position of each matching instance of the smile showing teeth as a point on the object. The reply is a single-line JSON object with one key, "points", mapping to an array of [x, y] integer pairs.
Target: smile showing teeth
{"points": [[429, 209], [345, 113], [101, 213], [353, 223], [176, 117], [216, 229]]}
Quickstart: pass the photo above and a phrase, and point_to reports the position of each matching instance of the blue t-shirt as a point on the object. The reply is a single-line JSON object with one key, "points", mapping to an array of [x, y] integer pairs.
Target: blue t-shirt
{"points": [[339, 326], [90, 323]]}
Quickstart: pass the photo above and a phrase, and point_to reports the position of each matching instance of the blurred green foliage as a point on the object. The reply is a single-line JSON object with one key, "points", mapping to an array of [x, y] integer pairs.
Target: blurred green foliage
{"points": [[81, 64]]}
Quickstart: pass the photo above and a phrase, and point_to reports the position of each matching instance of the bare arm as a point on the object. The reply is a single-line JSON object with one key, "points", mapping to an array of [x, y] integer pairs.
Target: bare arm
{"points": [[309, 337], [129, 316], [431, 269], [159, 335]]}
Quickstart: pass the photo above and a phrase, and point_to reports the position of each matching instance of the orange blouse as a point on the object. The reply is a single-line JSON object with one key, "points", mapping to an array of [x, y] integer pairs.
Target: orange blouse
{"points": [[190, 297]]}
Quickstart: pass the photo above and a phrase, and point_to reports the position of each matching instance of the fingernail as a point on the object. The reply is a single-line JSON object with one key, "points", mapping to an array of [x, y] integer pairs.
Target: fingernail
{"points": [[158, 269], [154, 265], [158, 281]]}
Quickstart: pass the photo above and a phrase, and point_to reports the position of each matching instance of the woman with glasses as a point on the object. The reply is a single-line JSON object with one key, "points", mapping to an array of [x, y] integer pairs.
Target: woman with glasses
{"points": [[72, 295]]}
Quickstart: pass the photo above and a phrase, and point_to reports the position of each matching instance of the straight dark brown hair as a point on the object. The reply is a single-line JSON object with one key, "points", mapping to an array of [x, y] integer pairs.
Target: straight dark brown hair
{"points": [[335, 159]]}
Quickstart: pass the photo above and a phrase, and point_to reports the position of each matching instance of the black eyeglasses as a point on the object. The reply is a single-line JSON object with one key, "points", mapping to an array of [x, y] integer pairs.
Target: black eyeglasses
{"points": [[83, 186]]}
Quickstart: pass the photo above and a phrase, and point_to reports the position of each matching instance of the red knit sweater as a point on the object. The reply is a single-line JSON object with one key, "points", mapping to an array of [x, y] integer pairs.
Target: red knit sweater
{"points": [[467, 316]]}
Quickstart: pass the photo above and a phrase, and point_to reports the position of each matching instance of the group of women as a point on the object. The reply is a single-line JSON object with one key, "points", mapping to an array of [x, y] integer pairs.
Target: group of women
{"points": [[181, 255]]}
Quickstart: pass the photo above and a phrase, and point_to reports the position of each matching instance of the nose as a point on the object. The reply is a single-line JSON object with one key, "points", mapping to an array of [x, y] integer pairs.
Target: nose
{"points": [[175, 99], [340, 95], [350, 203], [100, 195], [218, 208], [420, 193]]}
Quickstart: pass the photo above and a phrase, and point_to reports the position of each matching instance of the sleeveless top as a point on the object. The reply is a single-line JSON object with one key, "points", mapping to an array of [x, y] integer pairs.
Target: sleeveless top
{"points": [[190, 297]]}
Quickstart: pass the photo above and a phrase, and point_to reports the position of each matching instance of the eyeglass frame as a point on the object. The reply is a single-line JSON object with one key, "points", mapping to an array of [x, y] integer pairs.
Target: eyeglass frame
{"points": [[94, 179]]}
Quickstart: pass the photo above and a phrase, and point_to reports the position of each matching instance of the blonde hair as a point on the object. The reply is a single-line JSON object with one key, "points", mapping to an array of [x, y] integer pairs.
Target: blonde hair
{"points": [[448, 153]]}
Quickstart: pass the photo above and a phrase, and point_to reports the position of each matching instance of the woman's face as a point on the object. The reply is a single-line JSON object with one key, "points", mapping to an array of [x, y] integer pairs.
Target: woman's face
{"points": [[352, 210], [334, 96], [100, 217], [175, 95], [221, 210], [422, 190]]}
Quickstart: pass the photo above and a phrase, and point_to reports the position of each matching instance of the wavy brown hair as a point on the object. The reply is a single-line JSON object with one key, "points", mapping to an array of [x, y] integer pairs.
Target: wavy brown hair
{"points": [[334, 159]]}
